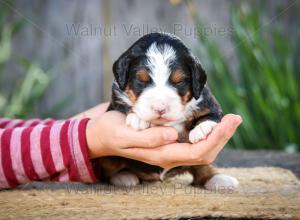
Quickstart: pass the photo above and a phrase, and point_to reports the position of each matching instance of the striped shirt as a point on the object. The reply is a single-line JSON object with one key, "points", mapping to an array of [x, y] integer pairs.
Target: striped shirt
{"points": [[43, 150]]}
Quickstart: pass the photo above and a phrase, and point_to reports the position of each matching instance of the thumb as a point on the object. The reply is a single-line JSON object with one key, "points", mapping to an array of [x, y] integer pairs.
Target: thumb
{"points": [[151, 137]]}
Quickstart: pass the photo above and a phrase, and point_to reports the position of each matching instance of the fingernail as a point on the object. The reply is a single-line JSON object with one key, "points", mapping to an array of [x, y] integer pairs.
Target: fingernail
{"points": [[239, 119], [170, 135]]}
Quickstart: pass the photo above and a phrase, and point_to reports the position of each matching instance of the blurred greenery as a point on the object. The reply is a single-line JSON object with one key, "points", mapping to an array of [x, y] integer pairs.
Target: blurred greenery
{"points": [[18, 100], [265, 91]]}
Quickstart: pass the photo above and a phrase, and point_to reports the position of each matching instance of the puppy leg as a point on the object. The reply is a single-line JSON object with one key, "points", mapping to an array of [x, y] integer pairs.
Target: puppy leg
{"points": [[202, 173], [208, 177], [124, 178], [221, 182], [201, 131], [205, 117], [105, 167]]}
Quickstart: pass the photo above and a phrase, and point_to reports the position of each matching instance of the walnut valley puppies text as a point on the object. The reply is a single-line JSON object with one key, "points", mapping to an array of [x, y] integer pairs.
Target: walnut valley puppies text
{"points": [[138, 30]]}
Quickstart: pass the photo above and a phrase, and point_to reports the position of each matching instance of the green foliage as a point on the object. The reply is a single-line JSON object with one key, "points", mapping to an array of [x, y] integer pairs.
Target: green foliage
{"points": [[265, 91], [19, 101], [27, 92]]}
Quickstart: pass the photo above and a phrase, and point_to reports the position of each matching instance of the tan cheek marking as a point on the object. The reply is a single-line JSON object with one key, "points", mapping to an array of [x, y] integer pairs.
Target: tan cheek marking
{"points": [[143, 75], [187, 97], [131, 95]]}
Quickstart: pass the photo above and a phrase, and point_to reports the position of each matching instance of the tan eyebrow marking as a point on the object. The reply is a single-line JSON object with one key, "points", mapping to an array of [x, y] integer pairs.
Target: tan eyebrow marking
{"points": [[143, 75], [177, 76]]}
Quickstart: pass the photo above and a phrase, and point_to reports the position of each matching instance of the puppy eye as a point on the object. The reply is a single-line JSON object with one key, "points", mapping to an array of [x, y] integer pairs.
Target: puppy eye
{"points": [[143, 76], [177, 77]]}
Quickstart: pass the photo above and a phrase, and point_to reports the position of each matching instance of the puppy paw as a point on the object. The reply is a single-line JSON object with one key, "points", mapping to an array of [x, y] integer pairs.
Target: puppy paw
{"points": [[221, 182], [136, 123], [201, 131], [124, 178]]}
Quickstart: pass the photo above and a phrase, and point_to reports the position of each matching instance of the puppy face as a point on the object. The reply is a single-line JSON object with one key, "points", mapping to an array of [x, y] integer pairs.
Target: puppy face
{"points": [[159, 78]]}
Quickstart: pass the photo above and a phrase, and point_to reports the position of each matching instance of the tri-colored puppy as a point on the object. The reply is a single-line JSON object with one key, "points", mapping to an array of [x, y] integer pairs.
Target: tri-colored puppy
{"points": [[159, 82]]}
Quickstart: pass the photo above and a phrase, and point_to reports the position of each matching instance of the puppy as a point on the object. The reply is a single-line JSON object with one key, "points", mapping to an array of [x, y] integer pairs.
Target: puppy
{"points": [[159, 82]]}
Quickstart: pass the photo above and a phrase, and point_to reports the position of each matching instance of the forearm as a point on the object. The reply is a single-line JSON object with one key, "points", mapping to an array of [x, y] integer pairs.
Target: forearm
{"points": [[55, 152]]}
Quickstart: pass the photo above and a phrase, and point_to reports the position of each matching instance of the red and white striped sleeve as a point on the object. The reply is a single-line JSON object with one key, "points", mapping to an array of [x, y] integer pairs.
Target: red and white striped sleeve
{"points": [[38, 150]]}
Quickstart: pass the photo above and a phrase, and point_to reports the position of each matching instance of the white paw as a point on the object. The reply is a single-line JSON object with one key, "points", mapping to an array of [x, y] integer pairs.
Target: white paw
{"points": [[124, 178], [136, 123], [201, 131], [221, 182]]}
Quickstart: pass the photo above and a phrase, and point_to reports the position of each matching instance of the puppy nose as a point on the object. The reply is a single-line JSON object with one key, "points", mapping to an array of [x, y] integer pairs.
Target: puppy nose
{"points": [[160, 112], [159, 109]]}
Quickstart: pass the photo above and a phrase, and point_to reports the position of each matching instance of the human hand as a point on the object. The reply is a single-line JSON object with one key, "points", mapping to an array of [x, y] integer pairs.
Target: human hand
{"points": [[109, 136], [185, 154]]}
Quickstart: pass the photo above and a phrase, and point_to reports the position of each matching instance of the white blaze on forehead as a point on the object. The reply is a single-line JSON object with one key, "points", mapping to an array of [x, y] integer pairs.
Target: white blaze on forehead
{"points": [[160, 93], [159, 59]]}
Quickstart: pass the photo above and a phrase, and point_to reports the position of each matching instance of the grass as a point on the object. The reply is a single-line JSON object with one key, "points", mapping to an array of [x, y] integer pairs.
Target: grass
{"points": [[265, 92], [19, 99]]}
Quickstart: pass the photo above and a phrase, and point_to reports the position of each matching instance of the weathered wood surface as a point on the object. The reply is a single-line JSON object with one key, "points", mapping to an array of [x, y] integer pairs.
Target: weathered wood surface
{"points": [[264, 193]]}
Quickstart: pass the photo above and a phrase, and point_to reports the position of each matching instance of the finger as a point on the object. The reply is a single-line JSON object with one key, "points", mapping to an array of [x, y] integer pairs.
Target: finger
{"points": [[207, 150], [146, 155], [165, 156], [151, 137], [179, 154], [220, 134], [225, 129], [184, 154]]}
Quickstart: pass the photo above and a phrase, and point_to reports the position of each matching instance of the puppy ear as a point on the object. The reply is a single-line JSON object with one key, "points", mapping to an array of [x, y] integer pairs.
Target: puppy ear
{"points": [[198, 76], [120, 69]]}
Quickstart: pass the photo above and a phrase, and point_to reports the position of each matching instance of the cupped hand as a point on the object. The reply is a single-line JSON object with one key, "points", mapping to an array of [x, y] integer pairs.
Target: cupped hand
{"points": [[108, 135], [186, 154]]}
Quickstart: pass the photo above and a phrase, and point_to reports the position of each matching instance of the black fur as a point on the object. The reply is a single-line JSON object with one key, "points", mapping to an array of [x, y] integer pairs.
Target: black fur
{"points": [[198, 76], [134, 58]]}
